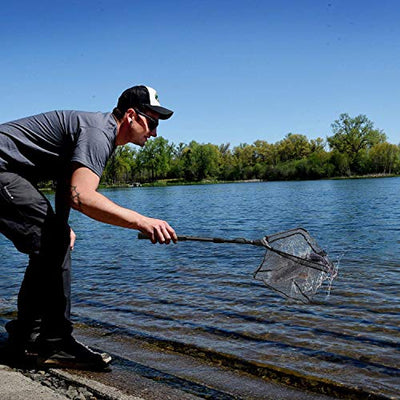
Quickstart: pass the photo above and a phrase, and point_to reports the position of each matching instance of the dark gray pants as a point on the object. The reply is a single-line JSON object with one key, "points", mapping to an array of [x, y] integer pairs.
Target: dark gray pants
{"points": [[28, 220]]}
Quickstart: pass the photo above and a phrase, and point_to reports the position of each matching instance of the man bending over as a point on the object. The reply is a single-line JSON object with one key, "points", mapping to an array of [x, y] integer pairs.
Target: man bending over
{"points": [[71, 148]]}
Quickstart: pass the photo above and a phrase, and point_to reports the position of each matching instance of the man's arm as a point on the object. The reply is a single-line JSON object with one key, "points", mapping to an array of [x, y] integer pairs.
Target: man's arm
{"points": [[85, 198]]}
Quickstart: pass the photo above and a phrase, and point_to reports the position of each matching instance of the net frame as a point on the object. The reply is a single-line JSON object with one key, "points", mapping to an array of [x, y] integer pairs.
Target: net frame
{"points": [[303, 270]]}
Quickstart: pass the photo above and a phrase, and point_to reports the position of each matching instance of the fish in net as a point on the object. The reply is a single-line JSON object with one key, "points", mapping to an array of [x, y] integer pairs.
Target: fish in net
{"points": [[294, 265]]}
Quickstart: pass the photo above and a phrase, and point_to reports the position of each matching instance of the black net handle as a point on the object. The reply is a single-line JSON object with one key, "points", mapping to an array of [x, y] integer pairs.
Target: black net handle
{"points": [[182, 238], [259, 242]]}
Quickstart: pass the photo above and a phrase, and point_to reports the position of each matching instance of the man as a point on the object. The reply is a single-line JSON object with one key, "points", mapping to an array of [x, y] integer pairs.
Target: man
{"points": [[72, 148]]}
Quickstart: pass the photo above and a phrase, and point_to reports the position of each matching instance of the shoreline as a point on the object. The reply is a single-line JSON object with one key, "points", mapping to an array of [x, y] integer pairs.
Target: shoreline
{"points": [[144, 369], [172, 182]]}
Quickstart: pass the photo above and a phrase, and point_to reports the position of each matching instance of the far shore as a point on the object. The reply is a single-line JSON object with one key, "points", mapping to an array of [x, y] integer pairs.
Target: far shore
{"points": [[178, 182], [48, 187]]}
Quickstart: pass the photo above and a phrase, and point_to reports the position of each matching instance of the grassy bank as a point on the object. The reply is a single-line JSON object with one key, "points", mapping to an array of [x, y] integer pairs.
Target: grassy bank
{"points": [[180, 182], [48, 187]]}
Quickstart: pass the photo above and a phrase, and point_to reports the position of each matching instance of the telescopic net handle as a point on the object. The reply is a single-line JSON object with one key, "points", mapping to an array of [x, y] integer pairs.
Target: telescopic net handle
{"points": [[183, 238]]}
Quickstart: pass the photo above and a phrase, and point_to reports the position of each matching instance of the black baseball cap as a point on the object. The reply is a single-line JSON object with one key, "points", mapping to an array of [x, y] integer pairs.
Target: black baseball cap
{"points": [[143, 97]]}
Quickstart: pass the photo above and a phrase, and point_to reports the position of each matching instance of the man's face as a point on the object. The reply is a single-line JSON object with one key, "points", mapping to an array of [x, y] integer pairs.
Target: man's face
{"points": [[138, 129]]}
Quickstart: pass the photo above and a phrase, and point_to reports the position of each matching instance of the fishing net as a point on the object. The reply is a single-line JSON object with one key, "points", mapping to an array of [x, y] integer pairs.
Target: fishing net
{"points": [[294, 265]]}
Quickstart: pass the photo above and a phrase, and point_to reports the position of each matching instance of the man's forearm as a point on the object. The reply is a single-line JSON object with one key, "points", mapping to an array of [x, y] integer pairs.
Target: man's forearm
{"points": [[85, 198], [102, 209]]}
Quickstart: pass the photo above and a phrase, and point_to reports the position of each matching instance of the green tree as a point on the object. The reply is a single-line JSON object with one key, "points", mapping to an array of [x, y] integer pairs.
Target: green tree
{"points": [[385, 158], [352, 135], [154, 159], [245, 154], [177, 161], [242, 161], [317, 145], [293, 147], [201, 161], [120, 166], [227, 162], [265, 153], [341, 162]]}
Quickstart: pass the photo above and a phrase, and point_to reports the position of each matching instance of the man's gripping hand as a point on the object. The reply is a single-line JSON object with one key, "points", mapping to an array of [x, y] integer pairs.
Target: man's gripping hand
{"points": [[157, 230]]}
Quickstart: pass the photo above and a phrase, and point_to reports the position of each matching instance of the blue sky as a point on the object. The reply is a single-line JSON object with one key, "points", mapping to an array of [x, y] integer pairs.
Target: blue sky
{"points": [[233, 71]]}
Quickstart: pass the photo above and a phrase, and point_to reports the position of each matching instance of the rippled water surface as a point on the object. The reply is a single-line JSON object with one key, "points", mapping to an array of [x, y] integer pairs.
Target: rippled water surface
{"points": [[203, 294]]}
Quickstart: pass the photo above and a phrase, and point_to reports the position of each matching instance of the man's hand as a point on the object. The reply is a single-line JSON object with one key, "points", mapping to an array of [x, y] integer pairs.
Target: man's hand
{"points": [[72, 238], [157, 230]]}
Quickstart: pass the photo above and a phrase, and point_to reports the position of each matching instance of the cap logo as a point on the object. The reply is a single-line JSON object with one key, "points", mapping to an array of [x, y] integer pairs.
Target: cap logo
{"points": [[153, 96]]}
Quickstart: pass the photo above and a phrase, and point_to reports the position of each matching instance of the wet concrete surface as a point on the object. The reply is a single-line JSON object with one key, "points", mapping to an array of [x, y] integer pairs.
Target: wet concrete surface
{"points": [[148, 371]]}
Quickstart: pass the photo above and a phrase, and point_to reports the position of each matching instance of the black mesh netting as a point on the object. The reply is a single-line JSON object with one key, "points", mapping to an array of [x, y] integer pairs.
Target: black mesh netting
{"points": [[294, 265]]}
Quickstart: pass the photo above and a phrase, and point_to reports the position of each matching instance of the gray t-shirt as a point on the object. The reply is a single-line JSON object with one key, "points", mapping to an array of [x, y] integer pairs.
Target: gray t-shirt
{"points": [[43, 146]]}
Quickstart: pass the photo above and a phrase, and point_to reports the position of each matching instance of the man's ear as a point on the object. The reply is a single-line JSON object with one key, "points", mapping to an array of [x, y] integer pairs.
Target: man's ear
{"points": [[130, 115]]}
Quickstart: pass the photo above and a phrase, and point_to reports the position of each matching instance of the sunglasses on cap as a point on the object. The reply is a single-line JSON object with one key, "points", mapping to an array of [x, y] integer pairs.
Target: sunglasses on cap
{"points": [[152, 123]]}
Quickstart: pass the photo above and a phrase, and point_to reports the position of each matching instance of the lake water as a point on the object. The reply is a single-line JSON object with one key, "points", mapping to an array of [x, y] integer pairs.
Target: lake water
{"points": [[203, 295]]}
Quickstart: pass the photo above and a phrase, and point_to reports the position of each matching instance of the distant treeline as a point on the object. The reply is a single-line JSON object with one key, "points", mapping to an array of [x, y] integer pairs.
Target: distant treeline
{"points": [[354, 148]]}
